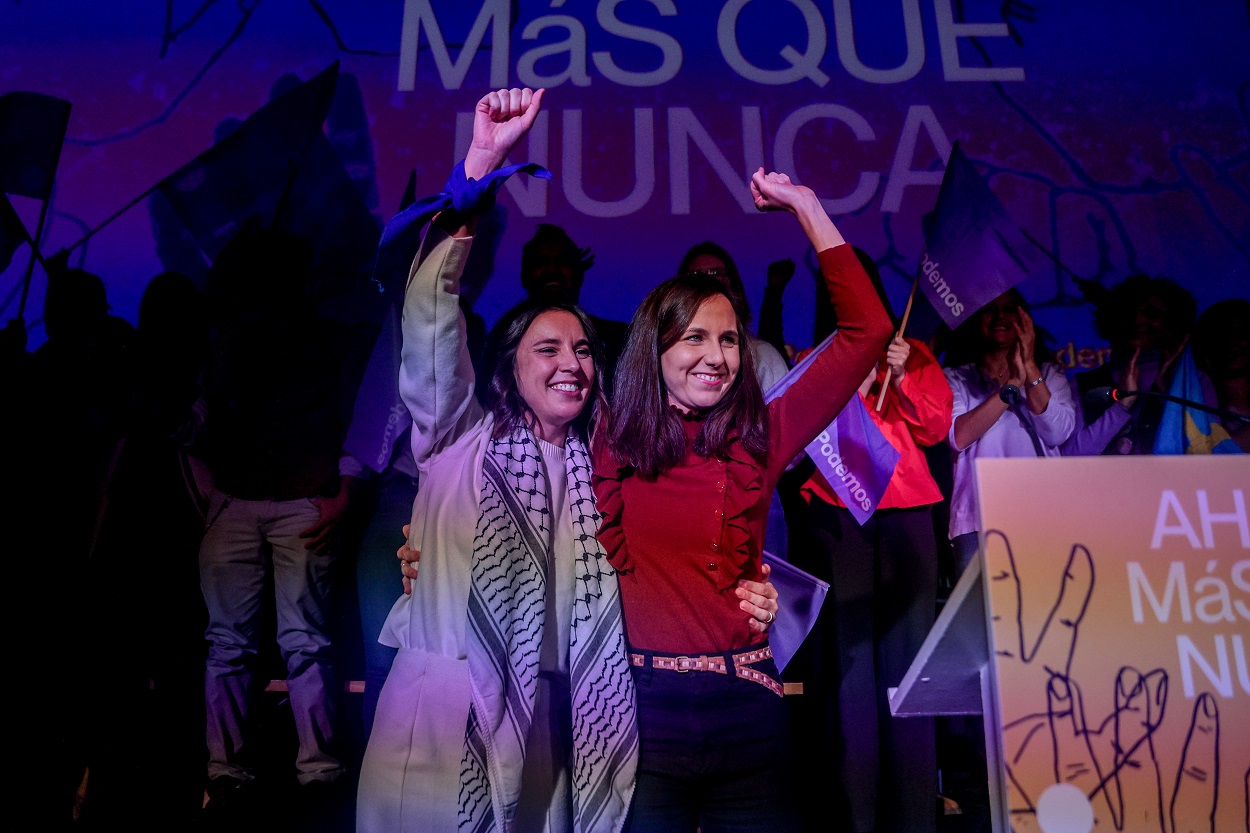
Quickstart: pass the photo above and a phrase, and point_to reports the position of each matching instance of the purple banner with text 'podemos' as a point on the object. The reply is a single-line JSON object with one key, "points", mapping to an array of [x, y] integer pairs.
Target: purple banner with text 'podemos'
{"points": [[852, 453], [974, 252]]}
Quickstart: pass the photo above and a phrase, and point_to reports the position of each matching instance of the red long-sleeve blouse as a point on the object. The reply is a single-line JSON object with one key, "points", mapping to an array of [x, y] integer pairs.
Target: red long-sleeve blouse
{"points": [[682, 541]]}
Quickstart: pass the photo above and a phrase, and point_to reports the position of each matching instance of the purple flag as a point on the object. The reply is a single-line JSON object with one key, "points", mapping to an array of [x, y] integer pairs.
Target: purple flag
{"points": [[249, 174], [974, 252], [852, 454], [32, 130], [855, 458], [324, 207], [800, 596]]}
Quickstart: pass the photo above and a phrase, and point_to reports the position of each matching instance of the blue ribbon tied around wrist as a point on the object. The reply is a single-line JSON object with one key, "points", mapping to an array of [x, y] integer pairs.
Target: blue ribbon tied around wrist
{"points": [[462, 193]]}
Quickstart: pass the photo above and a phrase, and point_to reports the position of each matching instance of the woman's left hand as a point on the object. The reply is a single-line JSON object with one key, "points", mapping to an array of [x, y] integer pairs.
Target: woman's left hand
{"points": [[758, 601], [1017, 367], [896, 353]]}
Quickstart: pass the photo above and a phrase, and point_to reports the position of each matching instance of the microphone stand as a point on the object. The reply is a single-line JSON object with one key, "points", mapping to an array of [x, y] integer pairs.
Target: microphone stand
{"points": [[1117, 394], [1012, 396]]}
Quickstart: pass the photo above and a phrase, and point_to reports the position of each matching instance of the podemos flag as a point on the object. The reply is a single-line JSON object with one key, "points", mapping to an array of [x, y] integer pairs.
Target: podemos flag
{"points": [[853, 455], [973, 252]]}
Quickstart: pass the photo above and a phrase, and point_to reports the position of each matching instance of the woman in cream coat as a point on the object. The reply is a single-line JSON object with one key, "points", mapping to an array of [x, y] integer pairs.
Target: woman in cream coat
{"points": [[512, 669]]}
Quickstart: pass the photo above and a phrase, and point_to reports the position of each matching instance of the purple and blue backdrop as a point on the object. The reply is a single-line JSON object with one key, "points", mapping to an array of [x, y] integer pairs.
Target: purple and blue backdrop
{"points": [[1116, 134]]}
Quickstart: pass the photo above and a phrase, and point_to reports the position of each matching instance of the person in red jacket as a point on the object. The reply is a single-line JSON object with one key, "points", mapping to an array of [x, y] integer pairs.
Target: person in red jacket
{"points": [[882, 601], [684, 474]]}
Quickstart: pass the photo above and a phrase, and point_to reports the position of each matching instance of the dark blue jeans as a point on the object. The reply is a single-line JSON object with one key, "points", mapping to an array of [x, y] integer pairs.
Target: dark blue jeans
{"points": [[714, 755]]}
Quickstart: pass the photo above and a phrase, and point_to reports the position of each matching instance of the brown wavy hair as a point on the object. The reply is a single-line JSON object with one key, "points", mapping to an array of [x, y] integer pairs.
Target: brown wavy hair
{"points": [[646, 432]]}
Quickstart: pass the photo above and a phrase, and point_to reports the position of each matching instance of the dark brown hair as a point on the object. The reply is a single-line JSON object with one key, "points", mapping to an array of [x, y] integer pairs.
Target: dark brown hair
{"points": [[499, 394], [646, 432]]}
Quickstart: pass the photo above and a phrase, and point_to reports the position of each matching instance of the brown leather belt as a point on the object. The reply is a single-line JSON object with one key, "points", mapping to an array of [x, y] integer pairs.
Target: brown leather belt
{"points": [[716, 664]]}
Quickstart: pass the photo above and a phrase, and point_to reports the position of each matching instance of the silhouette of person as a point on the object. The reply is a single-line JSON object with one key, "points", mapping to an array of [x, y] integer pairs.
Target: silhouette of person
{"points": [[553, 268], [66, 413], [278, 398], [1147, 322], [146, 709]]}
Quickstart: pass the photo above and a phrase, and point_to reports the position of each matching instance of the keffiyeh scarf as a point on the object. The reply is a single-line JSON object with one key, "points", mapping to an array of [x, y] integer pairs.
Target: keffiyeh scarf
{"points": [[506, 617]]}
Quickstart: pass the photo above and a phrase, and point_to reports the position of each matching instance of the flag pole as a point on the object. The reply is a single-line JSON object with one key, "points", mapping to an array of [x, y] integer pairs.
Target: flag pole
{"points": [[34, 255], [119, 212], [30, 267], [1051, 255], [902, 326]]}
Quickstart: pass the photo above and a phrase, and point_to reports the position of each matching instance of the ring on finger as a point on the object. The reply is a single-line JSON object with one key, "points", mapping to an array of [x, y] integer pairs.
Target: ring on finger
{"points": [[772, 617]]}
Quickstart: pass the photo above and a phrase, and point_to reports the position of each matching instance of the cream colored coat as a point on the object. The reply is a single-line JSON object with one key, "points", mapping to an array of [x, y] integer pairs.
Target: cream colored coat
{"points": [[410, 776]]}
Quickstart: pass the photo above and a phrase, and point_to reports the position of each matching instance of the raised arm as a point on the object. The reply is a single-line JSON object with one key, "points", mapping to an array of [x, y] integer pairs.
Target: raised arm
{"points": [[1090, 438], [436, 371], [775, 192], [811, 403], [1056, 422], [500, 120]]}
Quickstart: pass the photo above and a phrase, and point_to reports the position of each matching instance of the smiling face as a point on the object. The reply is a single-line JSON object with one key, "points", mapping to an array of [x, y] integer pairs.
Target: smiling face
{"points": [[703, 363], [555, 370], [999, 320]]}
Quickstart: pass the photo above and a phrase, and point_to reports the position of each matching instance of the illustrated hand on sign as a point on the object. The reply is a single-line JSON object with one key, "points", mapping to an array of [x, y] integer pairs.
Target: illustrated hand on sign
{"points": [[1107, 767]]}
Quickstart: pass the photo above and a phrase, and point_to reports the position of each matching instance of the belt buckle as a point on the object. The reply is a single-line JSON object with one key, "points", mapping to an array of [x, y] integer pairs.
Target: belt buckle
{"points": [[677, 665]]}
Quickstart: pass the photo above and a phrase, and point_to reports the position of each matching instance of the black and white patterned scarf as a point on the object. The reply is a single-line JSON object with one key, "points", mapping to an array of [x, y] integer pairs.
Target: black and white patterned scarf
{"points": [[506, 619]]}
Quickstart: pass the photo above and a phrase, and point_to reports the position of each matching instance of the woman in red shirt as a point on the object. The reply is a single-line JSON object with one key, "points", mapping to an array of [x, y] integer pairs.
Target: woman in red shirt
{"points": [[882, 600], [683, 477]]}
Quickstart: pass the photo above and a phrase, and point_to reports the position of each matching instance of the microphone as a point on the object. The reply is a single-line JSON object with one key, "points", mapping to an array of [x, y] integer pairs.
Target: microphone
{"points": [[1107, 395], [1011, 395]]}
